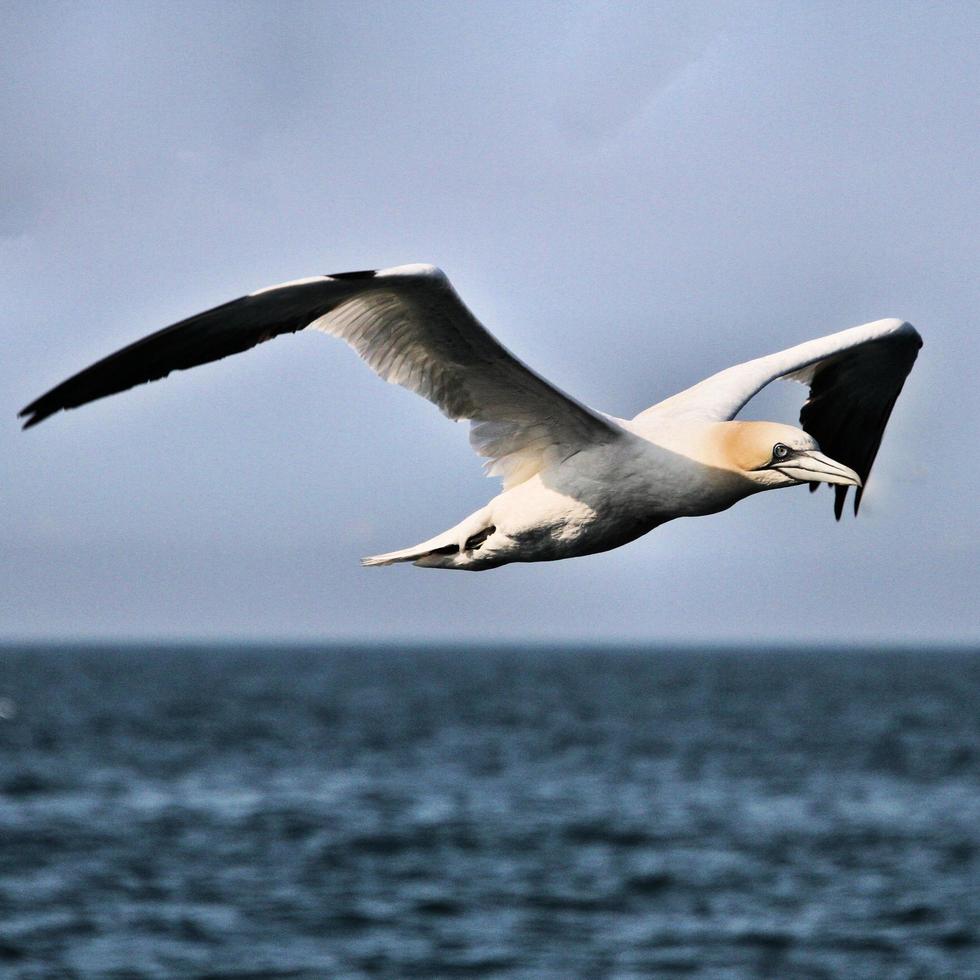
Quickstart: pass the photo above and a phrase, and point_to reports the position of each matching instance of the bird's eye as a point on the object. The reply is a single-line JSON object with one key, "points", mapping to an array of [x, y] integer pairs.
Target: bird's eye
{"points": [[779, 451]]}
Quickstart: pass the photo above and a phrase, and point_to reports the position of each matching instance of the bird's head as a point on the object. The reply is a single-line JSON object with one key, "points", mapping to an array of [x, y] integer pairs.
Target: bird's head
{"points": [[773, 455]]}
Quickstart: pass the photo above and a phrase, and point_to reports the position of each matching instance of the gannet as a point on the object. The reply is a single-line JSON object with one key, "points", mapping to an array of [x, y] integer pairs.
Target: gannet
{"points": [[576, 481]]}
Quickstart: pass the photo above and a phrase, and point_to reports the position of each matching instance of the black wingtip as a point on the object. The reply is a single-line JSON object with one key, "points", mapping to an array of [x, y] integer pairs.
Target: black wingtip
{"points": [[840, 495], [32, 415]]}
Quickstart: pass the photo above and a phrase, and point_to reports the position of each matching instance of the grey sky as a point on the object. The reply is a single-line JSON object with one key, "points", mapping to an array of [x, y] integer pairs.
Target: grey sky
{"points": [[631, 197]]}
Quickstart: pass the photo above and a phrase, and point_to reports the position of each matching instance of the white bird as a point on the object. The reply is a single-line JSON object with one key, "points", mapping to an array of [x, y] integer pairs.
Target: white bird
{"points": [[575, 481]]}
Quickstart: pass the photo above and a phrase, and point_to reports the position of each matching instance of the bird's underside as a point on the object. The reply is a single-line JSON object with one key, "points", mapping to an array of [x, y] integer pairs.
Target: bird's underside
{"points": [[575, 481]]}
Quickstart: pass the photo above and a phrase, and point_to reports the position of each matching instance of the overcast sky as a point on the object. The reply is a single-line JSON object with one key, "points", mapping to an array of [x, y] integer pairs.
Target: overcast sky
{"points": [[631, 196]]}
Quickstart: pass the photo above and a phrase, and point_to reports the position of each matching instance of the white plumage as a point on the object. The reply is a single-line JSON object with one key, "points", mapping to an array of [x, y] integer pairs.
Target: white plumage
{"points": [[575, 481]]}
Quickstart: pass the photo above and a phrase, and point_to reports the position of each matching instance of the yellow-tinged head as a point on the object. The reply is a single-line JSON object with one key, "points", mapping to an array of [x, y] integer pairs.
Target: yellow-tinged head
{"points": [[774, 455]]}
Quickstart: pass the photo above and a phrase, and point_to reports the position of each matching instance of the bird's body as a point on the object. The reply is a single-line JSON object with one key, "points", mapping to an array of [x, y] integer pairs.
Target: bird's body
{"points": [[598, 499], [576, 481]]}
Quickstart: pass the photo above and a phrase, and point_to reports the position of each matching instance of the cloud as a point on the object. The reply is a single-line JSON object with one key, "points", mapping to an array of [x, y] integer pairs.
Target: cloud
{"points": [[613, 62]]}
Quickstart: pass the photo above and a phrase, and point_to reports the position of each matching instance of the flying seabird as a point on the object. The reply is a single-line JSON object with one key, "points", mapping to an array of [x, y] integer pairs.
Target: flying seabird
{"points": [[575, 481]]}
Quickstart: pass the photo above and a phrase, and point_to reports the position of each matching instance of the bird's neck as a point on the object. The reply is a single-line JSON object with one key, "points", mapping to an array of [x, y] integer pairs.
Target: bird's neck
{"points": [[691, 468]]}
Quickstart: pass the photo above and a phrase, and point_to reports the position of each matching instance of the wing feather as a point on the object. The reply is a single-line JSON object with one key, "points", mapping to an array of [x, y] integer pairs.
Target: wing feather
{"points": [[410, 327], [855, 378]]}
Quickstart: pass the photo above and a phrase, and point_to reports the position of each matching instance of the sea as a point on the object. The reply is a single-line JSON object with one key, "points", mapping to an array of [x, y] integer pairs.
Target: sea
{"points": [[345, 811]]}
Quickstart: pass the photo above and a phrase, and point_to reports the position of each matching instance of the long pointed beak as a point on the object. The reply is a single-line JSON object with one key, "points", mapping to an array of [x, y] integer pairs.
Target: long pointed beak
{"points": [[813, 467]]}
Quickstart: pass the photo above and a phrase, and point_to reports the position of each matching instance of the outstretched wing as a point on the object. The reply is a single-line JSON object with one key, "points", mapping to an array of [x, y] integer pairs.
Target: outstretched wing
{"points": [[410, 327], [854, 376]]}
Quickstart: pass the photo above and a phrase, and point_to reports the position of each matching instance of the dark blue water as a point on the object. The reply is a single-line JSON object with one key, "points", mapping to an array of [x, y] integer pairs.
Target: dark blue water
{"points": [[489, 813]]}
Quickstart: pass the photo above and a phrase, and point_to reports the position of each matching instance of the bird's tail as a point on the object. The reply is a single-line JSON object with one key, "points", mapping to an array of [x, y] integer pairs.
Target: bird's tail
{"points": [[415, 553], [446, 543], [440, 551]]}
